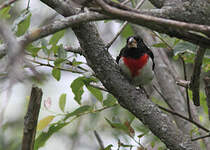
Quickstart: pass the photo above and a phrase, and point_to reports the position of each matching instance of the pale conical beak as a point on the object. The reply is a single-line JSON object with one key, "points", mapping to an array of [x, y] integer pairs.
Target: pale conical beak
{"points": [[132, 43]]}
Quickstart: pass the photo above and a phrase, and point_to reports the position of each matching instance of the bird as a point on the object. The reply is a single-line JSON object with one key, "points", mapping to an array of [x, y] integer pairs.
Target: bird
{"points": [[136, 61]]}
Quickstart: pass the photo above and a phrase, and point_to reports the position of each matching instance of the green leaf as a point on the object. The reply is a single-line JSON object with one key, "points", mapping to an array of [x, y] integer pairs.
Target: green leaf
{"points": [[96, 92], [203, 102], [44, 122], [44, 136], [182, 47], [56, 37], [4, 13], [128, 31], [109, 101], [160, 45], [24, 24], [141, 135], [153, 144], [61, 52], [62, 101], [33, 50], [119, 126], [76, 63], [56, 73], [108, 147], [58, 61], [176, 41], [77, 89], [116, 1], [79, 111], [54, 49], [44, 45]]}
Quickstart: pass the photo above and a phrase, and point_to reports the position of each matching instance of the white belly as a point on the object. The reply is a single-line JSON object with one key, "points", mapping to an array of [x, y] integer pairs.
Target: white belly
{"points": [[145, 75]]}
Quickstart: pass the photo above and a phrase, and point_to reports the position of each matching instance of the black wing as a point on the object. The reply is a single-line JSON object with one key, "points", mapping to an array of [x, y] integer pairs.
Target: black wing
{"points": [[150, 53], [120, 55]]}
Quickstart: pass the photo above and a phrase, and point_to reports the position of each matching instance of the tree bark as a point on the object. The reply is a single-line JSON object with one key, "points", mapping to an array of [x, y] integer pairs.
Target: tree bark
{"points": [[31, 118], [128, 96]]}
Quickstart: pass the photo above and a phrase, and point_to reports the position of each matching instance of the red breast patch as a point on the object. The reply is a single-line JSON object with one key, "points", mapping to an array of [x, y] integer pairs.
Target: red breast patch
{"points": [[135, 64]]}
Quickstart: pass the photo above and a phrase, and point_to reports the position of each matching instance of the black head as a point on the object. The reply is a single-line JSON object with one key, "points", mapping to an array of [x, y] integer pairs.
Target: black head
{"points": [[134, 41]]}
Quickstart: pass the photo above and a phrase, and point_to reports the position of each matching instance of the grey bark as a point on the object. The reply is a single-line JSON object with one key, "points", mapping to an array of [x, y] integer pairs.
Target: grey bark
{"points": [[134, 100]]}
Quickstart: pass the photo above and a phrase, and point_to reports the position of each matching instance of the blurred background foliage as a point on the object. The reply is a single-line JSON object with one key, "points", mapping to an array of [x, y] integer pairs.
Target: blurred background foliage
{"points": [[73, 107]]}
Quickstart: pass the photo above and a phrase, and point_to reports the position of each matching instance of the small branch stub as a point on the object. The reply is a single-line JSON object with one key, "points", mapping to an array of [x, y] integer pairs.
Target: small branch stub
{"points": [[30, 119], [183, 83]]}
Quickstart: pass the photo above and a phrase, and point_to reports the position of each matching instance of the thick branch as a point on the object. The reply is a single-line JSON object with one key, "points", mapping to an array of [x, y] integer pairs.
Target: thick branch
{"points": [[195, 79], [154, 20], [134, 100], [31, 118]]}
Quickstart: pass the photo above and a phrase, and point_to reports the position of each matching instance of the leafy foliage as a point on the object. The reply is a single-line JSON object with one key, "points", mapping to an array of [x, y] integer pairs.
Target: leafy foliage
{"points": [[44, 122], [62, 102], [5, 13], [51, 52], [77, 88], [23, 23]]}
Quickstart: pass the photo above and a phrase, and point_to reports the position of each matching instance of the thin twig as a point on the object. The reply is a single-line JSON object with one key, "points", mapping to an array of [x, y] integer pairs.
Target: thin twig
{"points": [[186, 89], [195, 79], [177, 114], [31, 118], [74, 50], [169, 47], [163, 97], [200, 137], [28, 5], [125, 2], [185, 118], [183, 83], [100, 142], [123, 26], [7, 3], [99, 87], [49, 65]]}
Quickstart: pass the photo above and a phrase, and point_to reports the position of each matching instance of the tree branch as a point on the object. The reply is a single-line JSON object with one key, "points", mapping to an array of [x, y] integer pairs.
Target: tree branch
{"points": [[7, 3], [31, 118], [195, 79], [185, 118], [134, 100], [186, 89], [158, 21], [157, 3], [207, 90], [99, 140], [123, 26]]}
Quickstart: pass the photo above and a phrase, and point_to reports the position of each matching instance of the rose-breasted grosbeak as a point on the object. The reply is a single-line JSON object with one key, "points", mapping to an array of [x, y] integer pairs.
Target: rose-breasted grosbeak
{"points": [[136, 61]]}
